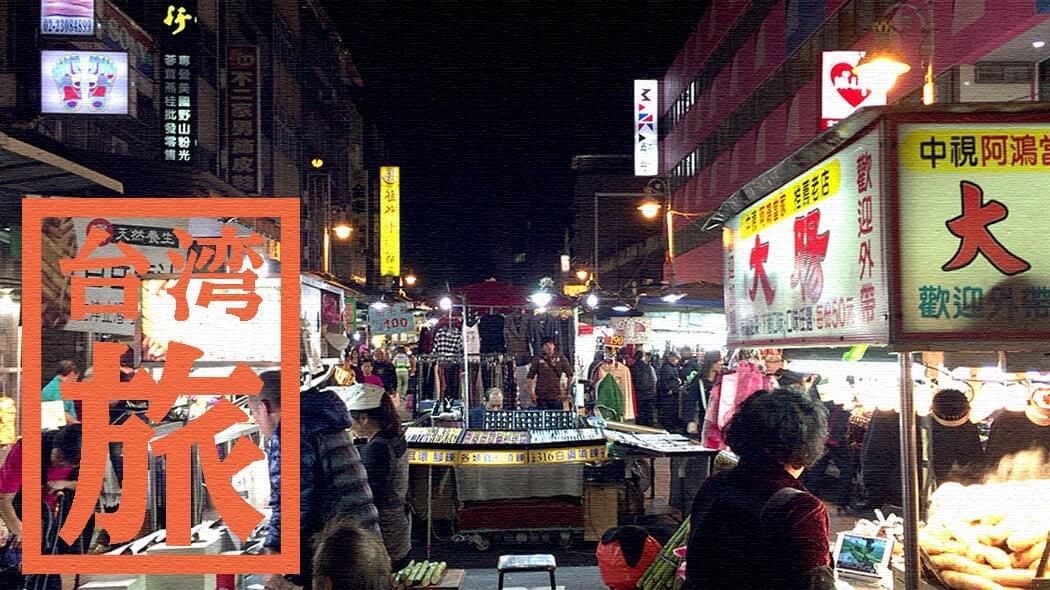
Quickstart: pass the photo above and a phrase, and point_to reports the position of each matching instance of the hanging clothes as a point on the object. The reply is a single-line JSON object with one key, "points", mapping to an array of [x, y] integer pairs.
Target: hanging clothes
{"points": [[473, 338], [622, 374], [540, 328], [491, 332], [727, 397], [611, 396], [448, 340], [567, 334], [425, 341], [516, 337]]}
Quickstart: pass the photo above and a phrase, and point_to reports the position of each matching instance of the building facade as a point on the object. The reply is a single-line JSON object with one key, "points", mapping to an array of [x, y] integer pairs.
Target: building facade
{"points": [[223, 99], [745, 90], [609, 235]]}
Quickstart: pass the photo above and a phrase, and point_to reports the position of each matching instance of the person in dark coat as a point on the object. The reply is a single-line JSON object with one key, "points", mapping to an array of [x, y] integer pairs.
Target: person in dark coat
{"points": [[957, 452], [669, 393], [643, 377], [385, 370], [1013, 432], [385, 457], [332, 480], [756, 525]]}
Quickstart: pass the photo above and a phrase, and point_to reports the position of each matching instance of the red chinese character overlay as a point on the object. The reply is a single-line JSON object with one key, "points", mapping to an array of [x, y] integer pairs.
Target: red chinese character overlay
{"points": [[96, 394], [213, 257], [129, 284]]}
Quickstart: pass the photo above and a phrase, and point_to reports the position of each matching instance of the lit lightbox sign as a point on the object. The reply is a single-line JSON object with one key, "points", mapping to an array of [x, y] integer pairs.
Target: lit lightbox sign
{"points": [[67, 17], [646, 141], [84, 82]]}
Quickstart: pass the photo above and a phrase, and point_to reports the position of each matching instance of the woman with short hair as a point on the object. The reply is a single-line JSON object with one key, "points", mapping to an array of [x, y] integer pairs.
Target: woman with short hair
{"points": [[756, 525]]}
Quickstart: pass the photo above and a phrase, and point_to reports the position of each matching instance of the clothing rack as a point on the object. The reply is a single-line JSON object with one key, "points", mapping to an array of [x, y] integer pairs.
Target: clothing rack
{"points": [[445, 373]]}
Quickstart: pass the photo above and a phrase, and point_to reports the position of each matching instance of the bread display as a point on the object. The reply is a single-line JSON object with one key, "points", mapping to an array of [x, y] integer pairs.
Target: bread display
{"points": [[988, 537]]}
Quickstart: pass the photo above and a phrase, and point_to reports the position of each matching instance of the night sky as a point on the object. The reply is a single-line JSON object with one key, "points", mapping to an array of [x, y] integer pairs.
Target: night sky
{"points": [[483, 105]]}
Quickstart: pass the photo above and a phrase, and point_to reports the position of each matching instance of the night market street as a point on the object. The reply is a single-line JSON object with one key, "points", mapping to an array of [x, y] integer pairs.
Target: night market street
{"points": [[639, 295]]}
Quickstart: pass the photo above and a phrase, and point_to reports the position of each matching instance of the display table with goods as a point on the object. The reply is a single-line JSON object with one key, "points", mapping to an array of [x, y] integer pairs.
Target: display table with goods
{"points": [[510, 485]]}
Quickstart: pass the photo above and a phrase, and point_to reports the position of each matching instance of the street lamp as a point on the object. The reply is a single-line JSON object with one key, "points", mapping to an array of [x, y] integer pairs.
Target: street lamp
{"points": [[592, 300], [881, 67], [410, 280], [342, 231], [650, 208], [582, 275]]}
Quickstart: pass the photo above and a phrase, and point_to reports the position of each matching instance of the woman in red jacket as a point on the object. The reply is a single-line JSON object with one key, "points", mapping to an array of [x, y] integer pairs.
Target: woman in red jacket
{"points": [[756, 525]]}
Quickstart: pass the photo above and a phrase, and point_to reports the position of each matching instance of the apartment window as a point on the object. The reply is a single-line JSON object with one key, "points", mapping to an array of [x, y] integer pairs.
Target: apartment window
{"points": [[1002, 72]]}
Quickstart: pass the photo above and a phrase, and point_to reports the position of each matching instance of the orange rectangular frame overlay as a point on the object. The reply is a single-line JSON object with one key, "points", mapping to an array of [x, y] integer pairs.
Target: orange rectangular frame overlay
{"points": [[34, 210]]}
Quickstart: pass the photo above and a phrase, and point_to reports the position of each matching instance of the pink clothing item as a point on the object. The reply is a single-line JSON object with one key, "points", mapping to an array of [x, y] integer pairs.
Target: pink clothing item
{"points": [[374, 380], [11, 475], [726, 397]]}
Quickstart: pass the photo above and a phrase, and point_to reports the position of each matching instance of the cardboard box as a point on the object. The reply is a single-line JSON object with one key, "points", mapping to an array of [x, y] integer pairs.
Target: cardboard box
{"points": [[600, 510]]}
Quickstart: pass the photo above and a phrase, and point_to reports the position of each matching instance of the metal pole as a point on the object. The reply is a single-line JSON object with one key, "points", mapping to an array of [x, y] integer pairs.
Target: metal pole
{"points": [[594, 273], [933, 35], [466, 369], [430, 503], [910, 476], [670, 240]]}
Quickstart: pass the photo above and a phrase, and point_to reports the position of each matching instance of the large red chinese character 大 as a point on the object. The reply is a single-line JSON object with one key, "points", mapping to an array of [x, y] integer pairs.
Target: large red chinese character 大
{"points": [[971, 227], [810, 249], [759, 256]]}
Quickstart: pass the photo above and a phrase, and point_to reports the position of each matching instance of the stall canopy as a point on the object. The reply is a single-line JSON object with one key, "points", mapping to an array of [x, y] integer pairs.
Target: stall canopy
{"points": [[493, 293], [29, 169]]}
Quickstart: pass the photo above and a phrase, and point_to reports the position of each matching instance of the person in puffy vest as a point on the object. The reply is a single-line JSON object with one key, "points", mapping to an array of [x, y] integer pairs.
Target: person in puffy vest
{"points": [[332, 480], [385, 457]]}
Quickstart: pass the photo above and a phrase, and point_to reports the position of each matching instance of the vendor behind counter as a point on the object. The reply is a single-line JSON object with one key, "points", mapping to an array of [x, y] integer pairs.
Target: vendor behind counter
{"points": [[493, 401]]}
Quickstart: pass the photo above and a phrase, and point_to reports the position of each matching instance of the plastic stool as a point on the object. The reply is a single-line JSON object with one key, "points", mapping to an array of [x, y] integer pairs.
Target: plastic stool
{"points": [[527, 563]]}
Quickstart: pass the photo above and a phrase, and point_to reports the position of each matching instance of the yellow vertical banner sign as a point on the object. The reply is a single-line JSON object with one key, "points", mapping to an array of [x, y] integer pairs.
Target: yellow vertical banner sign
{"points": [[390, 221]]}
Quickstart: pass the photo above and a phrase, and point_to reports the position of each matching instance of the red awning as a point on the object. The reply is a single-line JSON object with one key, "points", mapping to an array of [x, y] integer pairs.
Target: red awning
{"points": [[493, 293]]}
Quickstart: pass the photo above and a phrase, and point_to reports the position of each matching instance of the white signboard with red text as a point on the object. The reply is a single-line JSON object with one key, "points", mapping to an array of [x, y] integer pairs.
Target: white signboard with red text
{"points": [[972, 246], [805, 265], [841, 91]]}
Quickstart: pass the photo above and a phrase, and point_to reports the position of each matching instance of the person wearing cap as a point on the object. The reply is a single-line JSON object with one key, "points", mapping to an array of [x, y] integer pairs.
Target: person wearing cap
{"points": [[385, 457]]}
